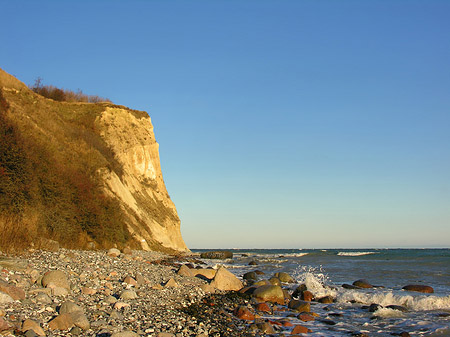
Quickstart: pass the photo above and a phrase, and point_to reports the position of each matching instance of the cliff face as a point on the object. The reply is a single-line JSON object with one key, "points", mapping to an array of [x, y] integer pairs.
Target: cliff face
{"points": [[100, 161]]}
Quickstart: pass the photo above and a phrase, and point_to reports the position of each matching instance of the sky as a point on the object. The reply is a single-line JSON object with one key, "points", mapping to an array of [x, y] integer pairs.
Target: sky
{"points": [[281, 124]]}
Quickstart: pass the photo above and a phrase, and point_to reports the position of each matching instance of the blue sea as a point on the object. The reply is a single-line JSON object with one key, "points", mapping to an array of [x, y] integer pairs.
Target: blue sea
{"points": [[325, 270]]}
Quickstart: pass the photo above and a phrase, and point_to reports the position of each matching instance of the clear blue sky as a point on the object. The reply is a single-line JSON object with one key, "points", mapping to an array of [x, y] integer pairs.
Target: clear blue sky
{"points": [[290, 124]]}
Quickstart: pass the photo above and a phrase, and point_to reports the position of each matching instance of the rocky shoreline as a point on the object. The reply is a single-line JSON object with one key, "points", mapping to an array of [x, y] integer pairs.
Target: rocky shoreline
{"points": [[99, 293]]}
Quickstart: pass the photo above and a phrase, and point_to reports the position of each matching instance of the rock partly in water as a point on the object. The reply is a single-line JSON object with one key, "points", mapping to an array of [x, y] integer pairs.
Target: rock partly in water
{"points": [[419, 288], [217, 255], [362, 284], [269, 293], [284, 277]]}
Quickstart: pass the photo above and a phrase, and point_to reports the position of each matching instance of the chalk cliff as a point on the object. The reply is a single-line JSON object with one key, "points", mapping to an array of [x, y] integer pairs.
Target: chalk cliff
{"points": [[100, 147]]}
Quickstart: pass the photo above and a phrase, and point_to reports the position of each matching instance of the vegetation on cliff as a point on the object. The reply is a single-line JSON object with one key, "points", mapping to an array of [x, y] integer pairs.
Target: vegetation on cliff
{"points": [[50, 154]]}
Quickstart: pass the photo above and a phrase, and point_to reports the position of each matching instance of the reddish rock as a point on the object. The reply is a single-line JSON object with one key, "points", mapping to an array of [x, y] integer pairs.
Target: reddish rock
{"points": [[419, 288], [299, 306], [326, 300], [305, 317], [300, 329], [307, 296], [265, 328], [4, 325], [243, 312], [13, 291], [264, 307]]}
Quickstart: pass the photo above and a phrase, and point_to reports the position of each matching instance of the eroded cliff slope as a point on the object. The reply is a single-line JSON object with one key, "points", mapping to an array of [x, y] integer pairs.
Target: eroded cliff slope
{"points": [[84, 174]]}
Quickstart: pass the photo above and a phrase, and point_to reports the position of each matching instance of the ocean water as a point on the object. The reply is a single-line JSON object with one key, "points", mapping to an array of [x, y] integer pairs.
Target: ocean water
{"points": [[324, 272]]}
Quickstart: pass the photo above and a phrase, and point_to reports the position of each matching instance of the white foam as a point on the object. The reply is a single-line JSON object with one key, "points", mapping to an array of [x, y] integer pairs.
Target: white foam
{"points": [[388, 313], [355, 253], [385, 298], [315, 280]]}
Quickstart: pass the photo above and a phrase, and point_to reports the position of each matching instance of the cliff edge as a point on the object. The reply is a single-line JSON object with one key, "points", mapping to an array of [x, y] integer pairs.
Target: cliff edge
{"points": [[84, 174]]}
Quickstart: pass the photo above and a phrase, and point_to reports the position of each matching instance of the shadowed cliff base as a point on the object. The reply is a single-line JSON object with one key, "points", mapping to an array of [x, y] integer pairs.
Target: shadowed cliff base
{"points": [[84, 174]]}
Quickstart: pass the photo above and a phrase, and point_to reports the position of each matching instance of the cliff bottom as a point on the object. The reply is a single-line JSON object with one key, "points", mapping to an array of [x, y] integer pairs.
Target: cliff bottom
{"points": [[84, 174]]}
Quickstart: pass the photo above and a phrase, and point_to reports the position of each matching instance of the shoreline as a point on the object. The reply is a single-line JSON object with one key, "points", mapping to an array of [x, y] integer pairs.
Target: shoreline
{"points": [[133, 294]]}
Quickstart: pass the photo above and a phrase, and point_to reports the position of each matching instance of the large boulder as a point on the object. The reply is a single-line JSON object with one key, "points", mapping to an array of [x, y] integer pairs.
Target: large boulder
{"points": [[362, 284], [269, 293], [420, 288], [203, 273], [225, 280], [218, 255], [284, 277], [55, 278]]}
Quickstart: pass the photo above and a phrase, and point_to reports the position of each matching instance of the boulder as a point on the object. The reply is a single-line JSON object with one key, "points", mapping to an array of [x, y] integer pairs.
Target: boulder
{"points": [[61, 322], [29, 324], [207, 273], [305, 317], [184, 271], [242, 312], [113, 252], [263, 307], [251, 275], [299, 306], [362, 284], [284, 277], [300, 329], [275, 281], [419, 288], [306, 296], [225, 280], [217, 255], [269, 293], [69, 307], [326, 299], [55, 278]]}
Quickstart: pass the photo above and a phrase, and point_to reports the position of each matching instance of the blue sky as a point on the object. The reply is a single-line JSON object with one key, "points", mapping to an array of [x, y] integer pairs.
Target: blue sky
{"points": [[282, 124]]}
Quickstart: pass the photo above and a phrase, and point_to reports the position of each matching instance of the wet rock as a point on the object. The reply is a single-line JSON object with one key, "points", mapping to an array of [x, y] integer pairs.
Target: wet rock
{"points": [[225, 280], [269, 293], [253, 263], [305, 317], [299, 306], [243, 312], [262, 283], [265, 328], [397, 307], [251, 275], [300, 329], [284, 277], [263, 307], [307, 296], [217, 255], [327, 321], [326, 300], [55, 278], [374, 307], [297, 292], [362, 284], [349, 286], [275, 281], [419, 288]]}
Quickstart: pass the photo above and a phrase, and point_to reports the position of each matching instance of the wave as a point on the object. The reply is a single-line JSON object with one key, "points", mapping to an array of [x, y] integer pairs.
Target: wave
{"points": [[417, 303], [354, 253]]}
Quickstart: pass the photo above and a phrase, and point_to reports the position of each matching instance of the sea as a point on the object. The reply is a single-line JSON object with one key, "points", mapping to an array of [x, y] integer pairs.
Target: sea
{"points": [[324, 271]]}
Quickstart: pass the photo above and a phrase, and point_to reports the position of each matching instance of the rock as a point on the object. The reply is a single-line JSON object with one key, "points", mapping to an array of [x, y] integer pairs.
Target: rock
{"points": [[165, 334], [13, 291], [263, 307], [30, 333], [397, 307], [349, 286], [305, 317], [299, 306], [13, 263], [306, 296], [225, 280], [88, 291], [171, 284], [285, 277], [262, 283], [29, 324], [362, 284], [419, 288], [131, 281], [113, 252], [4, 325], [128, 295], [265, 328], [206, 273], [327, 321], [125, 334], [5, 298], [243, 312], [251, 275], [300, 329], [59, 291], [269, 293], [184, 271], [326, 300], [207, 288], [275, 281], [127, 251], [61, 322], [374, 307], [55, 278], [80, 320], [68, 307], [217, 255], [253, 263], [76, 331], [120, 305], [43, 298]]}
